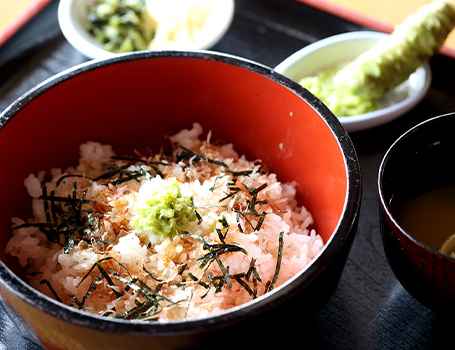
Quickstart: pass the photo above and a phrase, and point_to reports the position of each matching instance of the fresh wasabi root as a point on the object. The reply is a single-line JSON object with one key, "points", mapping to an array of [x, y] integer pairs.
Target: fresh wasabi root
{"points": [[355, 88], [395, 58]]}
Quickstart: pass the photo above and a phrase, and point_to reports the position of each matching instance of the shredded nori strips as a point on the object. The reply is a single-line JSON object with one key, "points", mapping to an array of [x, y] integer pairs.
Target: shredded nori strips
{"points": [[189, 155], [72, 219], [271, 284], [66, 216]]}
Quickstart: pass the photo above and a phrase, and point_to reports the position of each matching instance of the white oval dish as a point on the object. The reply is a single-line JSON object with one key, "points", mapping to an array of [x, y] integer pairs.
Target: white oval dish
{"points": [[345, 47], [72, 17]]}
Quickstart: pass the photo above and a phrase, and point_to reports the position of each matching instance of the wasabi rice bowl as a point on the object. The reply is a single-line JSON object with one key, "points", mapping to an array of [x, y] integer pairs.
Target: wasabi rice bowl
{"points": [[162, 237]]}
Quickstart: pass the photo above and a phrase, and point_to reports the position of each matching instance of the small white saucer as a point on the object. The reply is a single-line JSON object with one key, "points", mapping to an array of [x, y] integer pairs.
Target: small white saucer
{"points": [[72, 17], [345, 47]]}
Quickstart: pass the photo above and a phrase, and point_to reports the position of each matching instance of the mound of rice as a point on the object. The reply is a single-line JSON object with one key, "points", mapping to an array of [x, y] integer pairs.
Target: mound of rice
{"points": [[162, 237]]}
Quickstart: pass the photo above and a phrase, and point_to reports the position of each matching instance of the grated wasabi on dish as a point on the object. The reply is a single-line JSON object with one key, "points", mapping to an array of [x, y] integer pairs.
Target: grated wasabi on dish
{"points": [[342, 103]]}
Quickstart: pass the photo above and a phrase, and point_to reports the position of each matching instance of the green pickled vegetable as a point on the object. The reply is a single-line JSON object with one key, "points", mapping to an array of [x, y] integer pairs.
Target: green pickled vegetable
{"points": [[388, 64], [121, 25]]}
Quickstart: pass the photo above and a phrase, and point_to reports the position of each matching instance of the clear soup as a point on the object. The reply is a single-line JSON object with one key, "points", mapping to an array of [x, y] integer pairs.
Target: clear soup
{"points": [[429, 217]]}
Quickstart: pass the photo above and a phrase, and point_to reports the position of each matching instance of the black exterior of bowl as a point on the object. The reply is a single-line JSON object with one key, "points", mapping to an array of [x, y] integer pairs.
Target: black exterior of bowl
{"points": [[275, 314], [421, 157]]}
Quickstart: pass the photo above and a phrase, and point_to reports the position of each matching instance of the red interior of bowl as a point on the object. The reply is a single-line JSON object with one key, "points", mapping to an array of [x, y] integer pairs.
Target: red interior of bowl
{"points": [[134, 104]]}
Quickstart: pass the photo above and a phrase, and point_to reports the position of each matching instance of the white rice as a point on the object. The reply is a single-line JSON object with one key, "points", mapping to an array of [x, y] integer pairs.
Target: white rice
{"points": [[172, 261]]}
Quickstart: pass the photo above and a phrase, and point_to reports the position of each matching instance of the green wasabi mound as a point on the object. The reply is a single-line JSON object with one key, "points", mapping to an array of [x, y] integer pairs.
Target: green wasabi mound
{"points": [[356, 87], [163, 208], [342, 103]]}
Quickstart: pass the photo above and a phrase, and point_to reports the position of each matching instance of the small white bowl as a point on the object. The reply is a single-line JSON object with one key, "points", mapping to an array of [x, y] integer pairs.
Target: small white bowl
{"points": [[72, 17], [345, 47]]}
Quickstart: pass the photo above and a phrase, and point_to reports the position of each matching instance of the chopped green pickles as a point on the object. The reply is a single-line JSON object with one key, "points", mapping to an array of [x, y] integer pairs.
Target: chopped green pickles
{"points": [[121, 25]]}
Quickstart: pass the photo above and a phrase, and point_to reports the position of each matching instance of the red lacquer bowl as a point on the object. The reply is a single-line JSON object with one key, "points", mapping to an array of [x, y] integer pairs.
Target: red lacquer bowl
{"points": [[420, 159], [133, 101]]}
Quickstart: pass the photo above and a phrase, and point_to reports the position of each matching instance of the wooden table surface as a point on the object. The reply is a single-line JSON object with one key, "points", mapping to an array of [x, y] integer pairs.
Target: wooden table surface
{"points": [[369, 309]]}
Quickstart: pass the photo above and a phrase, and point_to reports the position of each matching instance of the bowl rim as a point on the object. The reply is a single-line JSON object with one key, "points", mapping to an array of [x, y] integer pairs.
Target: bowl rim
{"points": [[75, 33], [382, 200], [370, 119], [344, 230]]}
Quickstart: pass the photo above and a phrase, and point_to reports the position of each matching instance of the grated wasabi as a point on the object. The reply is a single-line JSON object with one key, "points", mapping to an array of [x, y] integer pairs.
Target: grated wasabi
{"points": [[163, 208], [94, 243], [340, 102]]}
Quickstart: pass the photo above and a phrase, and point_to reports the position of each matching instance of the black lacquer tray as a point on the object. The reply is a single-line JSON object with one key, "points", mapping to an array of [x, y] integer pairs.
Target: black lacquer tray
{"points": [[369, 309]]}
